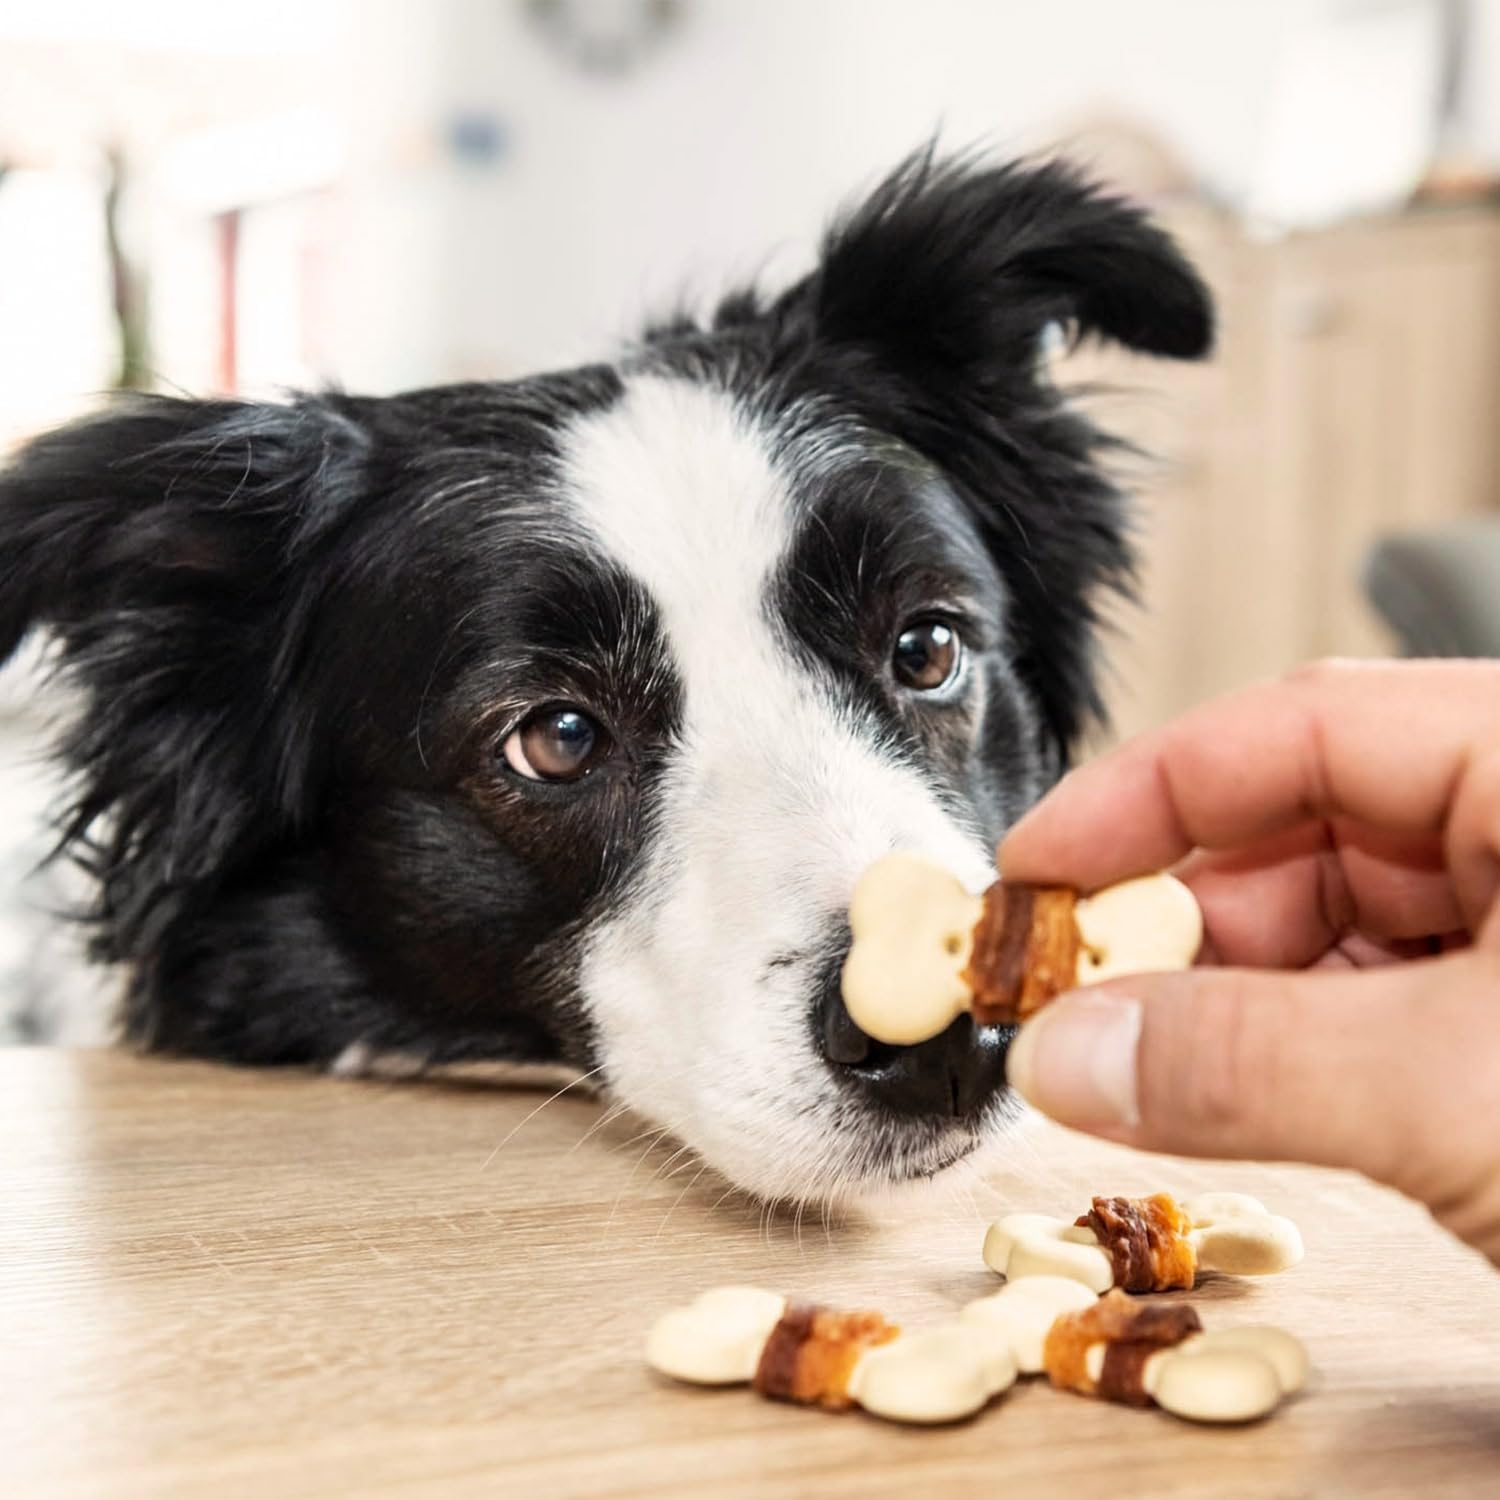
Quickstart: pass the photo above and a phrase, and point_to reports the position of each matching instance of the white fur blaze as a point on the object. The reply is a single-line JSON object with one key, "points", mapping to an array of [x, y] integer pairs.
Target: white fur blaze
{"points": [[774, 803]]}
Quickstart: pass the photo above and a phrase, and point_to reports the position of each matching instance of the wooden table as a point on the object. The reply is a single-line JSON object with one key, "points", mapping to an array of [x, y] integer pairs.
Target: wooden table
{"points": [[221, 1283]]}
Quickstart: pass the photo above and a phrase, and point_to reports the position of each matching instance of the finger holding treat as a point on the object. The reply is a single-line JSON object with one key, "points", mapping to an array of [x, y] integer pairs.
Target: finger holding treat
{"points": [[925, 950]]}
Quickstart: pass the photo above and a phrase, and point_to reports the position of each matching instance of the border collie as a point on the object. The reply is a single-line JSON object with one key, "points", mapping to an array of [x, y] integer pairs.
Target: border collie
{"points": [[551, 721]]}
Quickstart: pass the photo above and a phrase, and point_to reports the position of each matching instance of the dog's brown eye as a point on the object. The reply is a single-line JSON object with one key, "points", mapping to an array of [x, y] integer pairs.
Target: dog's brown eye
{"points": [[555, 744], [927, 656]]}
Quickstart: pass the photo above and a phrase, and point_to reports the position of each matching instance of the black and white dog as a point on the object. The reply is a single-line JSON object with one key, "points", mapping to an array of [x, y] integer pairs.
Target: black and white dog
{"points": [[554, 720]]}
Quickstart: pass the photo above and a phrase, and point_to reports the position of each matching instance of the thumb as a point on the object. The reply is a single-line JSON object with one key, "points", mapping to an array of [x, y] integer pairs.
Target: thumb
{"points": [[1377, 1069]]}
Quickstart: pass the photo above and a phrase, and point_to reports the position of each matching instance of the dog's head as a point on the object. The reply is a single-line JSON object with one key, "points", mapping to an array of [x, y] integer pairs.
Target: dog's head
{"points": [[556, 719]]}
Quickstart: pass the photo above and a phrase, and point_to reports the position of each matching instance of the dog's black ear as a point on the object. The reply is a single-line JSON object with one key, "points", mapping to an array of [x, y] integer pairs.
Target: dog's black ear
{"points": [[951, 268], [926, 316], [165, 546]]}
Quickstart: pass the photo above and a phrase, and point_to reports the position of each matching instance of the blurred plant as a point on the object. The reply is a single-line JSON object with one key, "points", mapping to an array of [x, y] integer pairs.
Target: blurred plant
{"points": [[127, 282]]}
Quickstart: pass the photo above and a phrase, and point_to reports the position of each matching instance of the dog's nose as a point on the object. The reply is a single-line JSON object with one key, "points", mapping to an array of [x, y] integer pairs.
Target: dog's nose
{"points": [[952, 1075]]}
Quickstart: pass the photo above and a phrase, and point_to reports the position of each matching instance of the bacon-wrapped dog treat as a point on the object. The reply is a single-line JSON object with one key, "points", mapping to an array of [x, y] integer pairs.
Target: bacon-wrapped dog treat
{"points": [[1102, 1350], [1138, 1353], [795, 1351], [1147, 1240], [1146, 1244], [812, 1351], [925, 950]]}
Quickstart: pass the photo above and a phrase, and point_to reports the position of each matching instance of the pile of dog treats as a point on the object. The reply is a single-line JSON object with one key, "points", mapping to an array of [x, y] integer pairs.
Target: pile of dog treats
{"points": [[1067, 1311], [925, 951]]}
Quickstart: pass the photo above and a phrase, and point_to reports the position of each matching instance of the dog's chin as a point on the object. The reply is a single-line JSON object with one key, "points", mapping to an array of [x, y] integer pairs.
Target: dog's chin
{"points": [[859, 1165], [929, 1164]]}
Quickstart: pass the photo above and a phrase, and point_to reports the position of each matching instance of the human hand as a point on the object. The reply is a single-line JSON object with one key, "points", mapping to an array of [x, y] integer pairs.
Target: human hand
{"points": [[1341, 830]]}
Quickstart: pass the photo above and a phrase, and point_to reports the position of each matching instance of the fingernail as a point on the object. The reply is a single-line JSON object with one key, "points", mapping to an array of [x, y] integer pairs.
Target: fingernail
{"points": [[1077, 1060]]}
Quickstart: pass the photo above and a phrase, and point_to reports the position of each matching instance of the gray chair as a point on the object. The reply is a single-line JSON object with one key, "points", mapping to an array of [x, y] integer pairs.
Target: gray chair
{"points": [[1439, 590]]}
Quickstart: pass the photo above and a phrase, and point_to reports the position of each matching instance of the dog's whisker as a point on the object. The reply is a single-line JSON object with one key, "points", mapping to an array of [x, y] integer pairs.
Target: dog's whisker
{"points": [[614, 1209], [617, 1110], [527, 1119], [656, 1131], [662, 1173], [770, 1220], [719, 1201], [606, 1117], [665, 1177], [691, 1183]]}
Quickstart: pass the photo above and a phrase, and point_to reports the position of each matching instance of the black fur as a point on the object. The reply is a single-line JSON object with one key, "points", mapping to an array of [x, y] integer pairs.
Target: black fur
{"points": [[297, 631]]}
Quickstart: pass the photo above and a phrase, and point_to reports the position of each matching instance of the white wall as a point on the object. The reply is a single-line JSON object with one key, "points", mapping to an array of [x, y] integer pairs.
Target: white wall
{"points": [[733, 143], [1480, 108]]}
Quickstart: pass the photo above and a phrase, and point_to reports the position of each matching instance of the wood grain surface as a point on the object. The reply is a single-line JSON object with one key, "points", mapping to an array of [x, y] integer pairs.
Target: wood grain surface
{"points": [[222, 1283]]}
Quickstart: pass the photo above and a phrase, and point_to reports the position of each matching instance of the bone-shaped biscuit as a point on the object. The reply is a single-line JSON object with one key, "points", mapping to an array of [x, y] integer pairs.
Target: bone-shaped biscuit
{"points": [[939, 1374], [1237, 1234], [717, 1338], [925, 951], [1039, 1245], [1286, 1354], [1023, 1310], [1146, 1244]]}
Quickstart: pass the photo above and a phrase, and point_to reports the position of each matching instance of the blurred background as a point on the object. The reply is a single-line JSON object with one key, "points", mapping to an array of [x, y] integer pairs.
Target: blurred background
{"points": [[216, 199]]}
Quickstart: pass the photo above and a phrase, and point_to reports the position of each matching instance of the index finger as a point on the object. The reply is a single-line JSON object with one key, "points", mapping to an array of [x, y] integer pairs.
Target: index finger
{"points": [[1385, 743]]}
